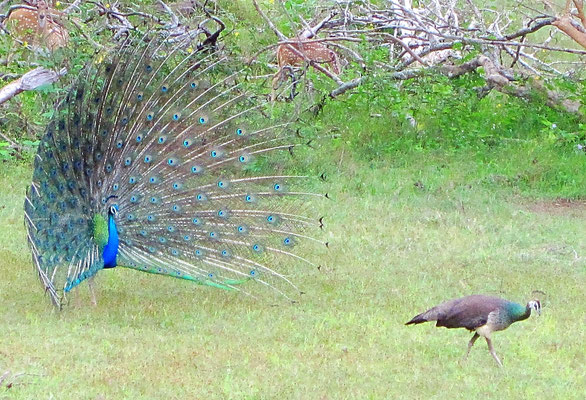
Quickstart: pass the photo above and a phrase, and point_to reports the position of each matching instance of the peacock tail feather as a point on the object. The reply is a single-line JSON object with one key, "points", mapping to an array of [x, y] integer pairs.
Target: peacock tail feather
{"points": [[152, 163]]}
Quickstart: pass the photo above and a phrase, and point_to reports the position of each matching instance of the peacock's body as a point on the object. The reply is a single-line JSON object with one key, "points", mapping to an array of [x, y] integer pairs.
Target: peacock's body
{"points": [[150, 164]]}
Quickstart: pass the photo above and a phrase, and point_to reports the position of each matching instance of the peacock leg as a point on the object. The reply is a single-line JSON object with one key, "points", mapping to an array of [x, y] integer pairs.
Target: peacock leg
{"points": [[471, 343], [491, 349], [92, 291]]}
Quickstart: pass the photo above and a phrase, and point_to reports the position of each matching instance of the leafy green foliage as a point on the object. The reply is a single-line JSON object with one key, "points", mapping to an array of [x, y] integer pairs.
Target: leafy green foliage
{"points": [[523, 144], [4, 152], [437, 112]]}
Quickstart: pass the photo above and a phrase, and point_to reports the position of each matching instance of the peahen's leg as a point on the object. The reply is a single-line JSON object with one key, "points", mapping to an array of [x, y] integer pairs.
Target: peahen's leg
{"points": [[471, 343], [491, 349]]}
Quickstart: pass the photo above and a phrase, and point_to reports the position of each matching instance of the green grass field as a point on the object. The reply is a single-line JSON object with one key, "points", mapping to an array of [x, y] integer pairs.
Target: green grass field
{"points": [[396, 249]]}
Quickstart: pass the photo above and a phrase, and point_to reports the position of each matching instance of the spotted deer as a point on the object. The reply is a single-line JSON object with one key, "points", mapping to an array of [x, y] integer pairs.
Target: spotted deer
{"points": [[302, 52], [37, 26]]}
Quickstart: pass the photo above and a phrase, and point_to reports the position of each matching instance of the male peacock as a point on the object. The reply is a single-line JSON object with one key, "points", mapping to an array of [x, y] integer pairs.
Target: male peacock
{"points": [[149, 163], [482, 314]]}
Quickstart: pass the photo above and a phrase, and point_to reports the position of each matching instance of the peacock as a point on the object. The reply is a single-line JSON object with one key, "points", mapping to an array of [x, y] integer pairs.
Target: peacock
{"points": [[156, 160], [478, 313]]}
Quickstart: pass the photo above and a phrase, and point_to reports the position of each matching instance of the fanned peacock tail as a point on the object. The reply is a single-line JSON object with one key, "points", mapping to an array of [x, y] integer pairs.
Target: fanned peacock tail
{"points": [[150, 164]]}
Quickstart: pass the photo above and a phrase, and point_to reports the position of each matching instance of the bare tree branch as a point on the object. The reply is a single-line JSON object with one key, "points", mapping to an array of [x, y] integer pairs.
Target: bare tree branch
{"points": [[29, 81], [344, 87]]}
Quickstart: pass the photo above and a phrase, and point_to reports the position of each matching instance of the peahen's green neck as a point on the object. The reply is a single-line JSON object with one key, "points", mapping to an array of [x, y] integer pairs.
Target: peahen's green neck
{"points": [[517, 312]]}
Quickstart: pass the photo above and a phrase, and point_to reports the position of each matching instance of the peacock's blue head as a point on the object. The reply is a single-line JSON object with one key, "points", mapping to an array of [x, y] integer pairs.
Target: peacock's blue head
{"points": [[113, 210], [535, 305]]}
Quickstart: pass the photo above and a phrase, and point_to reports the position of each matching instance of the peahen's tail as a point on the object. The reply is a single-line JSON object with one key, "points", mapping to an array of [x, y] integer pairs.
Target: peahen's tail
{"points": [[161, 160]]}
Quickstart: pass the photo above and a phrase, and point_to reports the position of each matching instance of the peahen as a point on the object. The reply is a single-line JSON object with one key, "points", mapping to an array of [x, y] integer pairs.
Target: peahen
{"points": [[154, 162], [482, 314]]}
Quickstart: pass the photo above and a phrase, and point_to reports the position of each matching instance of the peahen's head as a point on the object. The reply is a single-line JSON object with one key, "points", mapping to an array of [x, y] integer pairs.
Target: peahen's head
{"points": [[534, 305]]}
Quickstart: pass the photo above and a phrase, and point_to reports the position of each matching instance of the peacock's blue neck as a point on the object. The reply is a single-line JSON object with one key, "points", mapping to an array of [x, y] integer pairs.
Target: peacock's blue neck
{"points": [[111, 249]]}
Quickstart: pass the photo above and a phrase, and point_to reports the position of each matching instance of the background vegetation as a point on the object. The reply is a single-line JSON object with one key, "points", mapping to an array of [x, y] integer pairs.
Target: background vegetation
{"points": [[476, 196]]}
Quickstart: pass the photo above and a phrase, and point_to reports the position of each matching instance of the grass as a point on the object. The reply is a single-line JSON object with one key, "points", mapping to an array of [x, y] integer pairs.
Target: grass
{"points": [[397, 248]]}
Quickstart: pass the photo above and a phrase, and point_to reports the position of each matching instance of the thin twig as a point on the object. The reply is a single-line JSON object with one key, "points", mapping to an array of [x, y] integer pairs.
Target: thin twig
{"points": [[268, 21]]}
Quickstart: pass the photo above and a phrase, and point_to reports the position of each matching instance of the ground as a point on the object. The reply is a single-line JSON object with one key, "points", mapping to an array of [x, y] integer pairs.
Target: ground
{"points": [[396, 249]]}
